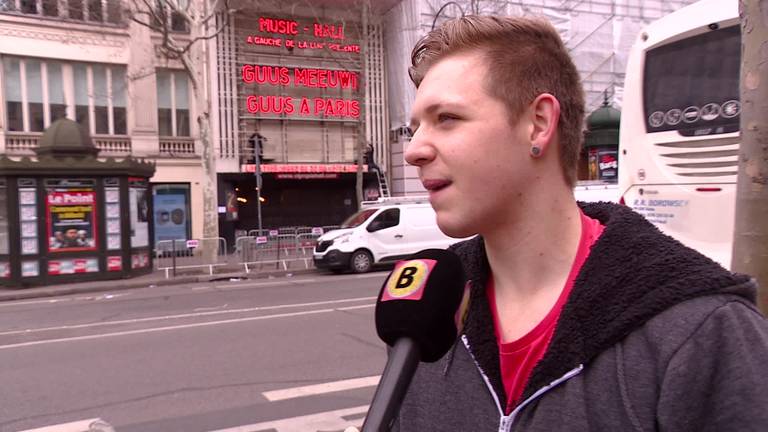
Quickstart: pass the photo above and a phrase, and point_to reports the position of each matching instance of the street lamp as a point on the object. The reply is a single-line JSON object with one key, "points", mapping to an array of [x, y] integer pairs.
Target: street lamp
{"points": [[439, 11]]}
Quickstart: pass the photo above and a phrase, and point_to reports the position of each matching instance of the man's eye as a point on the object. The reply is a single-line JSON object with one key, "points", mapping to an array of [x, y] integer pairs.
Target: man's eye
{"points": [[445, 117]]}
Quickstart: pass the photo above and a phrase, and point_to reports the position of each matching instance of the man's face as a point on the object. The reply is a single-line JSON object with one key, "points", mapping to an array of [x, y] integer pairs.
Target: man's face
{"points": [[471, 160], [71, 234]]}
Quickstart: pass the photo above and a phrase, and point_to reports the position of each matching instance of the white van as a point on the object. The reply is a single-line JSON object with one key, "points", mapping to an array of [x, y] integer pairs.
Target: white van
{"points": [[382, 231]]}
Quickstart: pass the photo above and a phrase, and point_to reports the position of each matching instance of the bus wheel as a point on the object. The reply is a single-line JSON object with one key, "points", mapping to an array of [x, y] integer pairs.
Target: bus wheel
{"points": [[361, 261]]}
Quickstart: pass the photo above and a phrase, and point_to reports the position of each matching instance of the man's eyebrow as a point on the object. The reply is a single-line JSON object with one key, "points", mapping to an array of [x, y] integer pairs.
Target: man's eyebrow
{"points": [[436, 107]]}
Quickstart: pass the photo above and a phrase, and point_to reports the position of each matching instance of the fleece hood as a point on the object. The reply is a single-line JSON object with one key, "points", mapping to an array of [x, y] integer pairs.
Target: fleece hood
{"points": [[647, 273]]}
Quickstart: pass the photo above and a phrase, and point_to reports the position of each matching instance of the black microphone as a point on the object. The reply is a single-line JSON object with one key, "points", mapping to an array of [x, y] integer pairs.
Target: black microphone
{"points": [[416, 315]]}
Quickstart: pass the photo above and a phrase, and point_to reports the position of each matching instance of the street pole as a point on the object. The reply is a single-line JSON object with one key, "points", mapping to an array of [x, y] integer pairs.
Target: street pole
{"points": [[257, 159]]}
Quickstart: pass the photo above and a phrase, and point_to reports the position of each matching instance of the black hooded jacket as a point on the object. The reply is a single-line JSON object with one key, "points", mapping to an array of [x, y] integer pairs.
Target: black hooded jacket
{"points": [[654, 336]]}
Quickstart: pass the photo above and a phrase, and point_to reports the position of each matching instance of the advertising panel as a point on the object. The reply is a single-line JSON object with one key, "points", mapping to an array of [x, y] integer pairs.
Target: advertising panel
{"points": [[71, 219], [139, 209], [171, 221]]}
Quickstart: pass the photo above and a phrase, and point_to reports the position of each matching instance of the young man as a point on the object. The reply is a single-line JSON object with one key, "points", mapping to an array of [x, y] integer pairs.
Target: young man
{"points": [[583, 317]]}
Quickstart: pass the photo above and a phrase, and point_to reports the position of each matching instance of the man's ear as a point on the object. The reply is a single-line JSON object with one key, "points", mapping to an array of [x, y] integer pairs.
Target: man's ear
{"points": [[545, 117]]}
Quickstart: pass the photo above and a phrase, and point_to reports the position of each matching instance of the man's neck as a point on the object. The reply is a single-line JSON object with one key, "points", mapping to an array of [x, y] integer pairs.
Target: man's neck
{"points": [[530, 260]]}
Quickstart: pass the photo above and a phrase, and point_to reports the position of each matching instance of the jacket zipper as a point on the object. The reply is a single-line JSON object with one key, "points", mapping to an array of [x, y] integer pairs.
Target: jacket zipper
{"points": [[505, 421]]}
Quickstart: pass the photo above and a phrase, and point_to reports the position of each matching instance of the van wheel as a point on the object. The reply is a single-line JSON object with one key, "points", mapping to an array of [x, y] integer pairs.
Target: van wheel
{"points": [[361, 262]]}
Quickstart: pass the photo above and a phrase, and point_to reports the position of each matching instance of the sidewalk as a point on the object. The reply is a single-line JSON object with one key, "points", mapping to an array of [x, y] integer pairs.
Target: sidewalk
{"points": [[154, 279]]}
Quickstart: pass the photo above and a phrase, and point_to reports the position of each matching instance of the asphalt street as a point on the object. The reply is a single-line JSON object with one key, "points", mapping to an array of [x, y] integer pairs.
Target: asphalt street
{"points": [[282, 354]]}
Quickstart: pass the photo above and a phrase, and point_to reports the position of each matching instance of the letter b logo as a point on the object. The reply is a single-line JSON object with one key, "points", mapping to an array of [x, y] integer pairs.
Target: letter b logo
{"points": [[407, 280], [406, 277]]}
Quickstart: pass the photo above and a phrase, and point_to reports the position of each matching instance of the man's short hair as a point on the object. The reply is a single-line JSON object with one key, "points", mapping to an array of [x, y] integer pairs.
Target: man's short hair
{"points": [[525, 58]]}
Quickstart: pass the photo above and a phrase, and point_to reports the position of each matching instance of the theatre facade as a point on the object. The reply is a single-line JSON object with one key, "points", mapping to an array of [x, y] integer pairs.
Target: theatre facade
{"points": [[299, 89]]}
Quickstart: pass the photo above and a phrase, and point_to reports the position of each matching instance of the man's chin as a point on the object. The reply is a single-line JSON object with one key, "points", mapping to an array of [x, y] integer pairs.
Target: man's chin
{"points": [[455, 230]]}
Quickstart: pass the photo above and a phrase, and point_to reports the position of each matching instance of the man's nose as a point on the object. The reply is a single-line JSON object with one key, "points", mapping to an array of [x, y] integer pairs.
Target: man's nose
{"points": [[419, 150]]}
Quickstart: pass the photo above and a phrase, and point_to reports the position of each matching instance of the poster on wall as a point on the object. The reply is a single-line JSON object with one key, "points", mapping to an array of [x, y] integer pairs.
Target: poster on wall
{"points": [[171, 221], [71, 219], [608, 164], [139, 211]]}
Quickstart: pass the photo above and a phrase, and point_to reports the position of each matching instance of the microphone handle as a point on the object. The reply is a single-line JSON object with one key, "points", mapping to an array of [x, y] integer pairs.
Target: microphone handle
{"points": [[401, 365]]}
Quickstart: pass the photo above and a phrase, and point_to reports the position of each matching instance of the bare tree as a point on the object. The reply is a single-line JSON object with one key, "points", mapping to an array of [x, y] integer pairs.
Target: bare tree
{"points": [[204, 21], [750, 241]]}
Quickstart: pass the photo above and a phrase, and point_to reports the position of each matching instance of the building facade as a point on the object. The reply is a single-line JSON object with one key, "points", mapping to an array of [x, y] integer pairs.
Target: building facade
{"points": [[85, 60], [302, 96]]}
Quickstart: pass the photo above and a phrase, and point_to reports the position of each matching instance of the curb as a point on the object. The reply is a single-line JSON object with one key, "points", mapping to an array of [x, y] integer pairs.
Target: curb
{"points": [[125, 284]]}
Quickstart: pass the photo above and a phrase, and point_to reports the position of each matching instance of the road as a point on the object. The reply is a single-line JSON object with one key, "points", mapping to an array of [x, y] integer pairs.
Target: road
{"points": [[285, 354]]}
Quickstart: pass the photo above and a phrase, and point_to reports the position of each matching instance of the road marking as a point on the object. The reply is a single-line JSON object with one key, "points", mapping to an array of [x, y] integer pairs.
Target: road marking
{"points": [[251, 285], [326, 421], [189, 315], [30, 302], [90, 425], [160, 329], [357, 307], [316, 389]]}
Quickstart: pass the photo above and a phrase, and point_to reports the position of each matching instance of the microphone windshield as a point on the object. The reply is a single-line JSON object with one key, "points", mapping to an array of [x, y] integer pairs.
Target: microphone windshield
{"points": [[419, 300]]}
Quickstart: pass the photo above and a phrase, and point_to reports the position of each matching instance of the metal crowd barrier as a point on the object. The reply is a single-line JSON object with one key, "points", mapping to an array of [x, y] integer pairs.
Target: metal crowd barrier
{"points": [[275, 248], [278, 251], [172, 255]]}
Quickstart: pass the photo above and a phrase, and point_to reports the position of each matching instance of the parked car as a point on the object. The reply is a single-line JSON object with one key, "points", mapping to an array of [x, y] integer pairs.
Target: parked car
{"points": [[382, 231]]}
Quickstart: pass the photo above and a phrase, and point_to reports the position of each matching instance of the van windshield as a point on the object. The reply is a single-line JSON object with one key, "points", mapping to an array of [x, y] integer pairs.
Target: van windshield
{"points": [[358, 218]]}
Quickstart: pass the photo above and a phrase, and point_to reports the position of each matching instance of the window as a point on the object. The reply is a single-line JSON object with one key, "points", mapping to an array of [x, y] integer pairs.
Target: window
{"points": [[118, 101], [29, 6], [51, 8], [100, 100], [692, 86], [75, 9], [81, 96], [114, 12], [56, 101], [15, 120], [172, 103], [40, 92], [34, 96], [95, 11], [387, 219]]}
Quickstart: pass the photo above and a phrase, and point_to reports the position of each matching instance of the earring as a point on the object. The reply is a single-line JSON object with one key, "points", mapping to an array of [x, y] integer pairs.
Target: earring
{"points": [[535, 151]]}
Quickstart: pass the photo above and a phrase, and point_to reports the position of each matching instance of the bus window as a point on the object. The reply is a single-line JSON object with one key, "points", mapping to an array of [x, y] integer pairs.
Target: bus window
{"points": [[692, 86]]}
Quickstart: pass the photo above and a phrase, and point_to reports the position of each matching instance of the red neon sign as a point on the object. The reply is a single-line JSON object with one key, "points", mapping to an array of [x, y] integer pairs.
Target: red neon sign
{"points": [[302, 77], [291, 28], [304, 168], [327, 107], [282, 26]]}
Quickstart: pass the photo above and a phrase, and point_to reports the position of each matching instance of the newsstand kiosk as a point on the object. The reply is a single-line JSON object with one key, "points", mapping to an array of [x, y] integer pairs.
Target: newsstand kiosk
{"points": [[66, 216]]}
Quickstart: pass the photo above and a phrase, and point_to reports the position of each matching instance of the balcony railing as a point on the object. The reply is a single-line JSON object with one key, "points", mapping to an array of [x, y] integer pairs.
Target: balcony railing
{"points": [[23, 143], [112, 144], [177, 147]]}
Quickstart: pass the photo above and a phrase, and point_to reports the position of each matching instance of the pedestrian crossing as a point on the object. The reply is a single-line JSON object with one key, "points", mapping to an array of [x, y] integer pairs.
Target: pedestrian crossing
{"points": [[327, 421], [330, 421]]}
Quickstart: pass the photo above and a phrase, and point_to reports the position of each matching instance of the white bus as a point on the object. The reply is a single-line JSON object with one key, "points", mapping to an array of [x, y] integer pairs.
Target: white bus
{"points": [[679, 138]]}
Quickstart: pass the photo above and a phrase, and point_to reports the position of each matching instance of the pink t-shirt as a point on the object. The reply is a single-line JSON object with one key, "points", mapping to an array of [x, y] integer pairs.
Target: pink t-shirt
{"points": [[518, 358]]}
